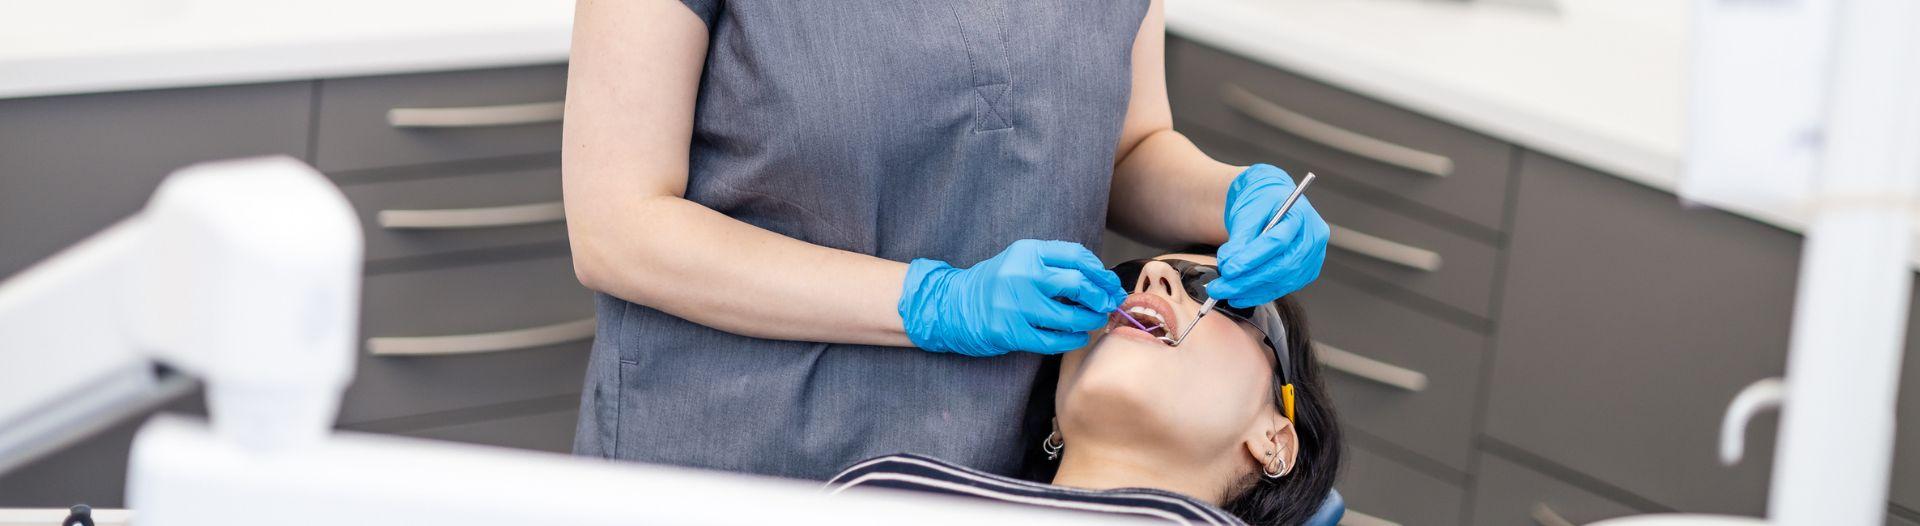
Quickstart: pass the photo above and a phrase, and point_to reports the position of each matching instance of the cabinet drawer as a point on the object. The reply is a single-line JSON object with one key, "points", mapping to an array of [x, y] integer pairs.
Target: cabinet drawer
{"points": [[71, 165], [1423, 259], [1359, 140], [459, 212], [1508, 494], [1628, 324], [1370, 240], [551, 431], [493, 333], [1395, 342], [373, 122], [1381, 487]]}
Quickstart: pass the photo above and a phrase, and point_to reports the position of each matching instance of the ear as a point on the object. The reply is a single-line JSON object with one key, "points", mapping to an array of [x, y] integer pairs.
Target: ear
{"points": [[1277, 437]]}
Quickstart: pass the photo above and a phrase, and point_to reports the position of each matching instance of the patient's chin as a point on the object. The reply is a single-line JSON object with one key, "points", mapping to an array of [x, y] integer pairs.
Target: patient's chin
{"points": [[1114, 401], [1108, 419]]}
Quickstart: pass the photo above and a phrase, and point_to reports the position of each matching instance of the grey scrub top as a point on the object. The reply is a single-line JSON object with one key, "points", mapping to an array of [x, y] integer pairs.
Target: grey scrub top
{"points": [[904, 129]]}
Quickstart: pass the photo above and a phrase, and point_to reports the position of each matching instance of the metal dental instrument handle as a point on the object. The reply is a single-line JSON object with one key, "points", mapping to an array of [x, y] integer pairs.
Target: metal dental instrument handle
{"points": [[1208, 305]]}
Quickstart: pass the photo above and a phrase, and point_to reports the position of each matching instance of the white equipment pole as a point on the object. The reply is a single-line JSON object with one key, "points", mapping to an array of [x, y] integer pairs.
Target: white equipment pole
{"points": [[1837, 421], [1846, 155]]}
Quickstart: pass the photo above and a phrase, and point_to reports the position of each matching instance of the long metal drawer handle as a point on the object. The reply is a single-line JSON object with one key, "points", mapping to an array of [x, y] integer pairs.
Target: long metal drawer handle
{"points": [[1302, 126], [476, 116], [541, 336], [1384, 249], [454, 218], [1544, 516], [1353, 517], [1370, 369]]}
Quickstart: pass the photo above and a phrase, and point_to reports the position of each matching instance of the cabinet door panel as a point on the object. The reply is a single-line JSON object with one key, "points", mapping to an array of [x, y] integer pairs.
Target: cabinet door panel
{"points": [[1629, 323]]}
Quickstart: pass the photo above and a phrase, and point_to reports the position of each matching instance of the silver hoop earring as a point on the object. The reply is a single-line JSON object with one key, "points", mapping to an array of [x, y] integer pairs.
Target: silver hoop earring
{"points": [[1277, 467], [1053, 445]]}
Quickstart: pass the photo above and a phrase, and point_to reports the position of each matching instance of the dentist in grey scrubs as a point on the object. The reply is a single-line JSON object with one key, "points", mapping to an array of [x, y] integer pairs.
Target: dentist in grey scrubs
{"points": [[824, 231]]}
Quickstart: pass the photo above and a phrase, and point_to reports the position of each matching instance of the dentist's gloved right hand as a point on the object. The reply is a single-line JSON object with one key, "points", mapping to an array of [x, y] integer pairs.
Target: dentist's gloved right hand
{"points": [[1008, 303]]}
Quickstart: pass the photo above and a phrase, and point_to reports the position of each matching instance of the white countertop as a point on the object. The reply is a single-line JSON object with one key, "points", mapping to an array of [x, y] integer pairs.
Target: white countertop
{"points": [[52, 47], [1599, 82]]}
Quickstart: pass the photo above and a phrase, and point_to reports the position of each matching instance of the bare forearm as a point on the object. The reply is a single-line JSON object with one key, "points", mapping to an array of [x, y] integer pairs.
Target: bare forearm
{"points": [[1168, 193], [632, 83], [690, 261]]}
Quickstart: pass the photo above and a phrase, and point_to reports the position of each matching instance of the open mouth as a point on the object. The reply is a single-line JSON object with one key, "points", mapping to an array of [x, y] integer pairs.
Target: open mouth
{"points": [[1151, 311]]}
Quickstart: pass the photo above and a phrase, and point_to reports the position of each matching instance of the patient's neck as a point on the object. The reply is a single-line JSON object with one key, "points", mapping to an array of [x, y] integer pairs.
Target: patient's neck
{"points": [[1090, 466]]}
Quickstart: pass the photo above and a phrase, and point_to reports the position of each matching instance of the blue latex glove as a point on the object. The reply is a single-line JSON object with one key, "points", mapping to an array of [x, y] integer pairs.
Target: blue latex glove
{"points": [[1012, 302], [1258, 268]]}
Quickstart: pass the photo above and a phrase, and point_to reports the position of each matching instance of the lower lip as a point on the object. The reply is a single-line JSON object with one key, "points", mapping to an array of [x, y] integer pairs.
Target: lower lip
{"points": [[1130, 332]]}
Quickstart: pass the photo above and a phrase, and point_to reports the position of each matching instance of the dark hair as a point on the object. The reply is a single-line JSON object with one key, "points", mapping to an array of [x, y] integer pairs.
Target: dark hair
{"points": [[1295, 497]]}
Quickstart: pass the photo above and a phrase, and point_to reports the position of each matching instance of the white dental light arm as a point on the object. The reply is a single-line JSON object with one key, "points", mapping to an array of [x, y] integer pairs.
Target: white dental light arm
{"points": [[244, 275], [240, 273]]}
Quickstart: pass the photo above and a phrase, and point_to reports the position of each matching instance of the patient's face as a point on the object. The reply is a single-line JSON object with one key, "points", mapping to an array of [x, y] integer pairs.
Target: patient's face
{"points": [[1199, 399]]}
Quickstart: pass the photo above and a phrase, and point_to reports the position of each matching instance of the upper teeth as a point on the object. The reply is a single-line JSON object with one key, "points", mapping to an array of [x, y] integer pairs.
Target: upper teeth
{"points": [[1143, 311]]}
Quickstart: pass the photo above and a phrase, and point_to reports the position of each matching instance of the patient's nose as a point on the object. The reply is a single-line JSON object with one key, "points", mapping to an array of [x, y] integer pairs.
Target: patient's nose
{"points": [[1158, 277]]}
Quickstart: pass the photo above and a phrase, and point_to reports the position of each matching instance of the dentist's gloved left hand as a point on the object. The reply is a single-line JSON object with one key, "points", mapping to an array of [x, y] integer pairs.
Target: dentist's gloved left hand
{"points": [[1036, 296], [1257, 268]]}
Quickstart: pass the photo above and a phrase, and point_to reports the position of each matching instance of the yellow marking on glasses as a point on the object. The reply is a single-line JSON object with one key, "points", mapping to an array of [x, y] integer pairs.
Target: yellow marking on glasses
{"points": [[1286, 400]]}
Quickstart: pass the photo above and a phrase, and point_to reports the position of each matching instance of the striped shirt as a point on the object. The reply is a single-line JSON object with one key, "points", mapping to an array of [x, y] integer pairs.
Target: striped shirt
{"points": [[918, 473]]}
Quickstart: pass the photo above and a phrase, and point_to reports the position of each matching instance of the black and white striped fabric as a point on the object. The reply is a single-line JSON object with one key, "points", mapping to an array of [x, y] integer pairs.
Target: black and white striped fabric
{"points": [[918, 473]]}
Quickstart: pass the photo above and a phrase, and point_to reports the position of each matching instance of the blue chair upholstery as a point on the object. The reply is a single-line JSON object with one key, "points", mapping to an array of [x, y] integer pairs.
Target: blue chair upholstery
{"points": [[1330, 510]]}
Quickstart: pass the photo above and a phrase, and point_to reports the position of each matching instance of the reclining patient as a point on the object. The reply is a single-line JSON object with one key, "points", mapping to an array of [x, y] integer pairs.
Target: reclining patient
{"points": [[1231, 426]]}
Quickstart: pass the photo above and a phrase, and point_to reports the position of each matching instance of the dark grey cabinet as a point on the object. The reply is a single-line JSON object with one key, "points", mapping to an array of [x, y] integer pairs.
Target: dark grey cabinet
{"points": [[463, 229], [460, 209], [71, 165], [1629, 323], [1381, 487], [1451, 270], [1362, 143], [1619, 322], [1435, 421], [355, 131], [1380, 244], [1506, 493], [475, 302]]}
